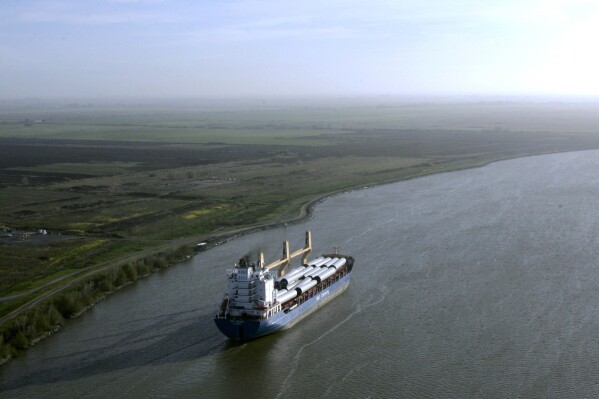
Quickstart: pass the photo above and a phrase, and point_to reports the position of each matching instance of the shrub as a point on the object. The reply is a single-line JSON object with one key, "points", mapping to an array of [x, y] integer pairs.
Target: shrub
{"points": [[68, 304], [184, 251], [42, 323], [142, 268], [120, 277], [105, 283], [130, 272], [86, 293], [54, 315], [19, 341], [6, 349], [158, 262]]}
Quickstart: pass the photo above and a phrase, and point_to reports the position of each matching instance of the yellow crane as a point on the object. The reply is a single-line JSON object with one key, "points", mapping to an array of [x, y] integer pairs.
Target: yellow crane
{"points": [[285, 261]]}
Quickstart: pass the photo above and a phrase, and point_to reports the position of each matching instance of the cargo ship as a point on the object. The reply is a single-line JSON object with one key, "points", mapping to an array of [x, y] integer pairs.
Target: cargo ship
{"points": [[263, 299]]}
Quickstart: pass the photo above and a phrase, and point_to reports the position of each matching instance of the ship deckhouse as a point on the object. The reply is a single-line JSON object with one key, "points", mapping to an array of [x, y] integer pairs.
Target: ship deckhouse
{"points": [[251, 289]]}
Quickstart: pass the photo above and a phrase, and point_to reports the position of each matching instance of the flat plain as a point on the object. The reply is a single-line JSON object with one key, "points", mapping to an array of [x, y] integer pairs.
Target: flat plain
{"points": [[114, 180]]}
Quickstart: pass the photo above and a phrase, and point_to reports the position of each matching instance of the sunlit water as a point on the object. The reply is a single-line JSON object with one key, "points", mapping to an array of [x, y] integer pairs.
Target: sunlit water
{"points": [[479, 283]]}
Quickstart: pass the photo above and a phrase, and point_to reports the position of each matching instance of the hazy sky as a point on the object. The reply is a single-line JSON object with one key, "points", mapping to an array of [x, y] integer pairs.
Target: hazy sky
{"points": [[161, 48]]}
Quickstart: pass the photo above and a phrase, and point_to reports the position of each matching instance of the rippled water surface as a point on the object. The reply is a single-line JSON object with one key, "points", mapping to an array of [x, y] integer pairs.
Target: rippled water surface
{"points": [[479, 283]]}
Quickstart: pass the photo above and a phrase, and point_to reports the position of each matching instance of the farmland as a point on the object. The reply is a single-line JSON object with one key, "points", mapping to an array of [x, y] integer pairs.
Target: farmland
{"points": [[116, 180]]}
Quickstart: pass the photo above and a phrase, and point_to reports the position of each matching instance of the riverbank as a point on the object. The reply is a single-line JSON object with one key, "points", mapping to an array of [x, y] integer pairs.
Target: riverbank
{"points": [[48, 316], [463, 270], [210, 177], [40, 319]]}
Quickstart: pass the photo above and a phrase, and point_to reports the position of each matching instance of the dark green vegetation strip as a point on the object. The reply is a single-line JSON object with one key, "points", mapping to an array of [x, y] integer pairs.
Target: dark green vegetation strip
{"points": [[49, 315], [114, 182]]}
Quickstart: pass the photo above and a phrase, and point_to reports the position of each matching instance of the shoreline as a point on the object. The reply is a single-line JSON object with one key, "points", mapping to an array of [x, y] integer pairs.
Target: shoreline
{"points": [[306, 212]]}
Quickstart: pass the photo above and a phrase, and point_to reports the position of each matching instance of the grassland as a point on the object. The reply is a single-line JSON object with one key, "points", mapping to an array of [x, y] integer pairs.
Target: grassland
{"points": [[117, 181]]}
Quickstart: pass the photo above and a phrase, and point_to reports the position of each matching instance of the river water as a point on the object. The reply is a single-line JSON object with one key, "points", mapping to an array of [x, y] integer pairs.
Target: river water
{"points": [[478, 283]]}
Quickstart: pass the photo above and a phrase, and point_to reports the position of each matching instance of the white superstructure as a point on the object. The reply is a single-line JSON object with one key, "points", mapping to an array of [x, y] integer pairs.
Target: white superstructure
{"points": [[251, 291]]}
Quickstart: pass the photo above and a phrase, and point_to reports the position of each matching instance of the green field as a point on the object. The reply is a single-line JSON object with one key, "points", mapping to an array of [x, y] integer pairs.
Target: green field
{"points": [[88, 168], [121, 179]]}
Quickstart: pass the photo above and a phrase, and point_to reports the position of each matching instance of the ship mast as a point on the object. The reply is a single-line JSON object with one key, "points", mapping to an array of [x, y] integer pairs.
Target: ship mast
{"points": [[285, 261]]}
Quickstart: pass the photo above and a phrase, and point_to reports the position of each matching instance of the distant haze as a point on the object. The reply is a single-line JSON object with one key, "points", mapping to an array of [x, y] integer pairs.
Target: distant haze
{"points": [[221, 48]]}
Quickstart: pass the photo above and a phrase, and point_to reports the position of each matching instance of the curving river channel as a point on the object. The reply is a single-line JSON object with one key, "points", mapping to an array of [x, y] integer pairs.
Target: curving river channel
{"points": [[478, 283]]}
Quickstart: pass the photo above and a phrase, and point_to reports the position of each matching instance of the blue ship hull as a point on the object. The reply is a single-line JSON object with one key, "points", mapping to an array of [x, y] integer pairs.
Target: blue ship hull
{"points": [[250, 329]]}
